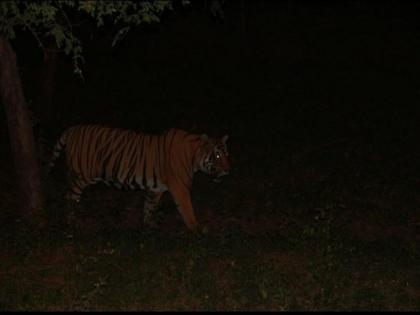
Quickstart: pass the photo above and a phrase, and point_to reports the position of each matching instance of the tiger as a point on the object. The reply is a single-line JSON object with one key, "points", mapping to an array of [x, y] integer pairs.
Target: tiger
{"points": [[132, 160]]}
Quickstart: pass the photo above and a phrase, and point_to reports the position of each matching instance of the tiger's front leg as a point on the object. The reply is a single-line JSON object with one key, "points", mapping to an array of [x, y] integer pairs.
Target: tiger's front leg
{"points": [[150, 204], [182, 198]]}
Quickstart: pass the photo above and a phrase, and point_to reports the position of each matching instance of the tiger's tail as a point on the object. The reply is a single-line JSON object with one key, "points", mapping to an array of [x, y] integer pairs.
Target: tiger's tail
{"points": [[59, 146]]}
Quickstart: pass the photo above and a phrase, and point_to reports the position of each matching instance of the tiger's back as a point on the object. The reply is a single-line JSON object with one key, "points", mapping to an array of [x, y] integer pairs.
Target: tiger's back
{"points": [[125, 158]]}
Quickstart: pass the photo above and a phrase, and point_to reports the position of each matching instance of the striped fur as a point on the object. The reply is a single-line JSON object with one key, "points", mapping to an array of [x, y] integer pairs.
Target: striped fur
{"points": [[132, 160]]}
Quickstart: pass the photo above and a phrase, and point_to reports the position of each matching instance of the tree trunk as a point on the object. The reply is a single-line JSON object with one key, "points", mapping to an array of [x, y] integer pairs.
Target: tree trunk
{"points": [[21, 137]]}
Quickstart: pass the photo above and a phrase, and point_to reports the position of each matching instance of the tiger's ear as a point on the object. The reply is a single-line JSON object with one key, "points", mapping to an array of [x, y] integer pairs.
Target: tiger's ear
{"points": [[225, 137]]}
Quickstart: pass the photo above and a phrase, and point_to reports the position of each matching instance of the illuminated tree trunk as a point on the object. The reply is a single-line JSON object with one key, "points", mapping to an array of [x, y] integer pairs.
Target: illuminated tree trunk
{"points": [[21, 136]]}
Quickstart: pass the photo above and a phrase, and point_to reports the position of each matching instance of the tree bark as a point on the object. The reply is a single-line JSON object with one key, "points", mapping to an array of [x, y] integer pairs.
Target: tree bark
{"points": [[21, 137]]}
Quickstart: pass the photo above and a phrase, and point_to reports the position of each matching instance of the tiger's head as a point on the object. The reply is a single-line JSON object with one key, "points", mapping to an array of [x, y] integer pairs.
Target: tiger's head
{"points": [[215, 158]]}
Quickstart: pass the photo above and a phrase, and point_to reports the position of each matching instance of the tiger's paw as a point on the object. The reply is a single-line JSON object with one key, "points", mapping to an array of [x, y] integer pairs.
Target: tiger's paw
{"points": [[204, 229], [149, 230], [201, 230], [150, 225]]}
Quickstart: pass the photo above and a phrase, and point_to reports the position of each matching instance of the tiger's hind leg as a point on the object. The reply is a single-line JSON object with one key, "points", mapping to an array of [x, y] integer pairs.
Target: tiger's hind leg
{"points": [[75, 191], [76, 187], [150, 204]]}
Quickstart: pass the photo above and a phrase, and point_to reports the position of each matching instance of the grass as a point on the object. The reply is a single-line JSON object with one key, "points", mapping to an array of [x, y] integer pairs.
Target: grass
{"points": [[315, 266]]}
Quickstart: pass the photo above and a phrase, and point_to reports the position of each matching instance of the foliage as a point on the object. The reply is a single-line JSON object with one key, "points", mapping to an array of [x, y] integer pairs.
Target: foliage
{"points": [[57, 18]]}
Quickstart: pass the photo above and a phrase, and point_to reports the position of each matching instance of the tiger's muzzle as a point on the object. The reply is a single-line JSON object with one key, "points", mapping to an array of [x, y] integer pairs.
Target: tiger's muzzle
{"points": [[218, 173]]}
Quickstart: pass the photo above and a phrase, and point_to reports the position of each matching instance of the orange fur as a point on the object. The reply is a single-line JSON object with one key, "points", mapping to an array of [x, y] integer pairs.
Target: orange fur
{"points": [[156, 163]]}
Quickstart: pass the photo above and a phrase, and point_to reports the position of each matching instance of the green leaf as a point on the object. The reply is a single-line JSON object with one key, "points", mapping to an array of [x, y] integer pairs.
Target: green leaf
{"points": [[54, 17], [121, 33]]}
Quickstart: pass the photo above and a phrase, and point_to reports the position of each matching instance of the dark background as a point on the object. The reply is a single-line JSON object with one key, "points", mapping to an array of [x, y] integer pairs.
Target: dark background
{"points": [[289, 81], [283, 70]]}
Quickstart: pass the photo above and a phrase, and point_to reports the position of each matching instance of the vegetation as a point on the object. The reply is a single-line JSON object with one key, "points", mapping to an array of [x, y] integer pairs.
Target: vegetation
{"points": [[310, 255], [54, 19]]}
